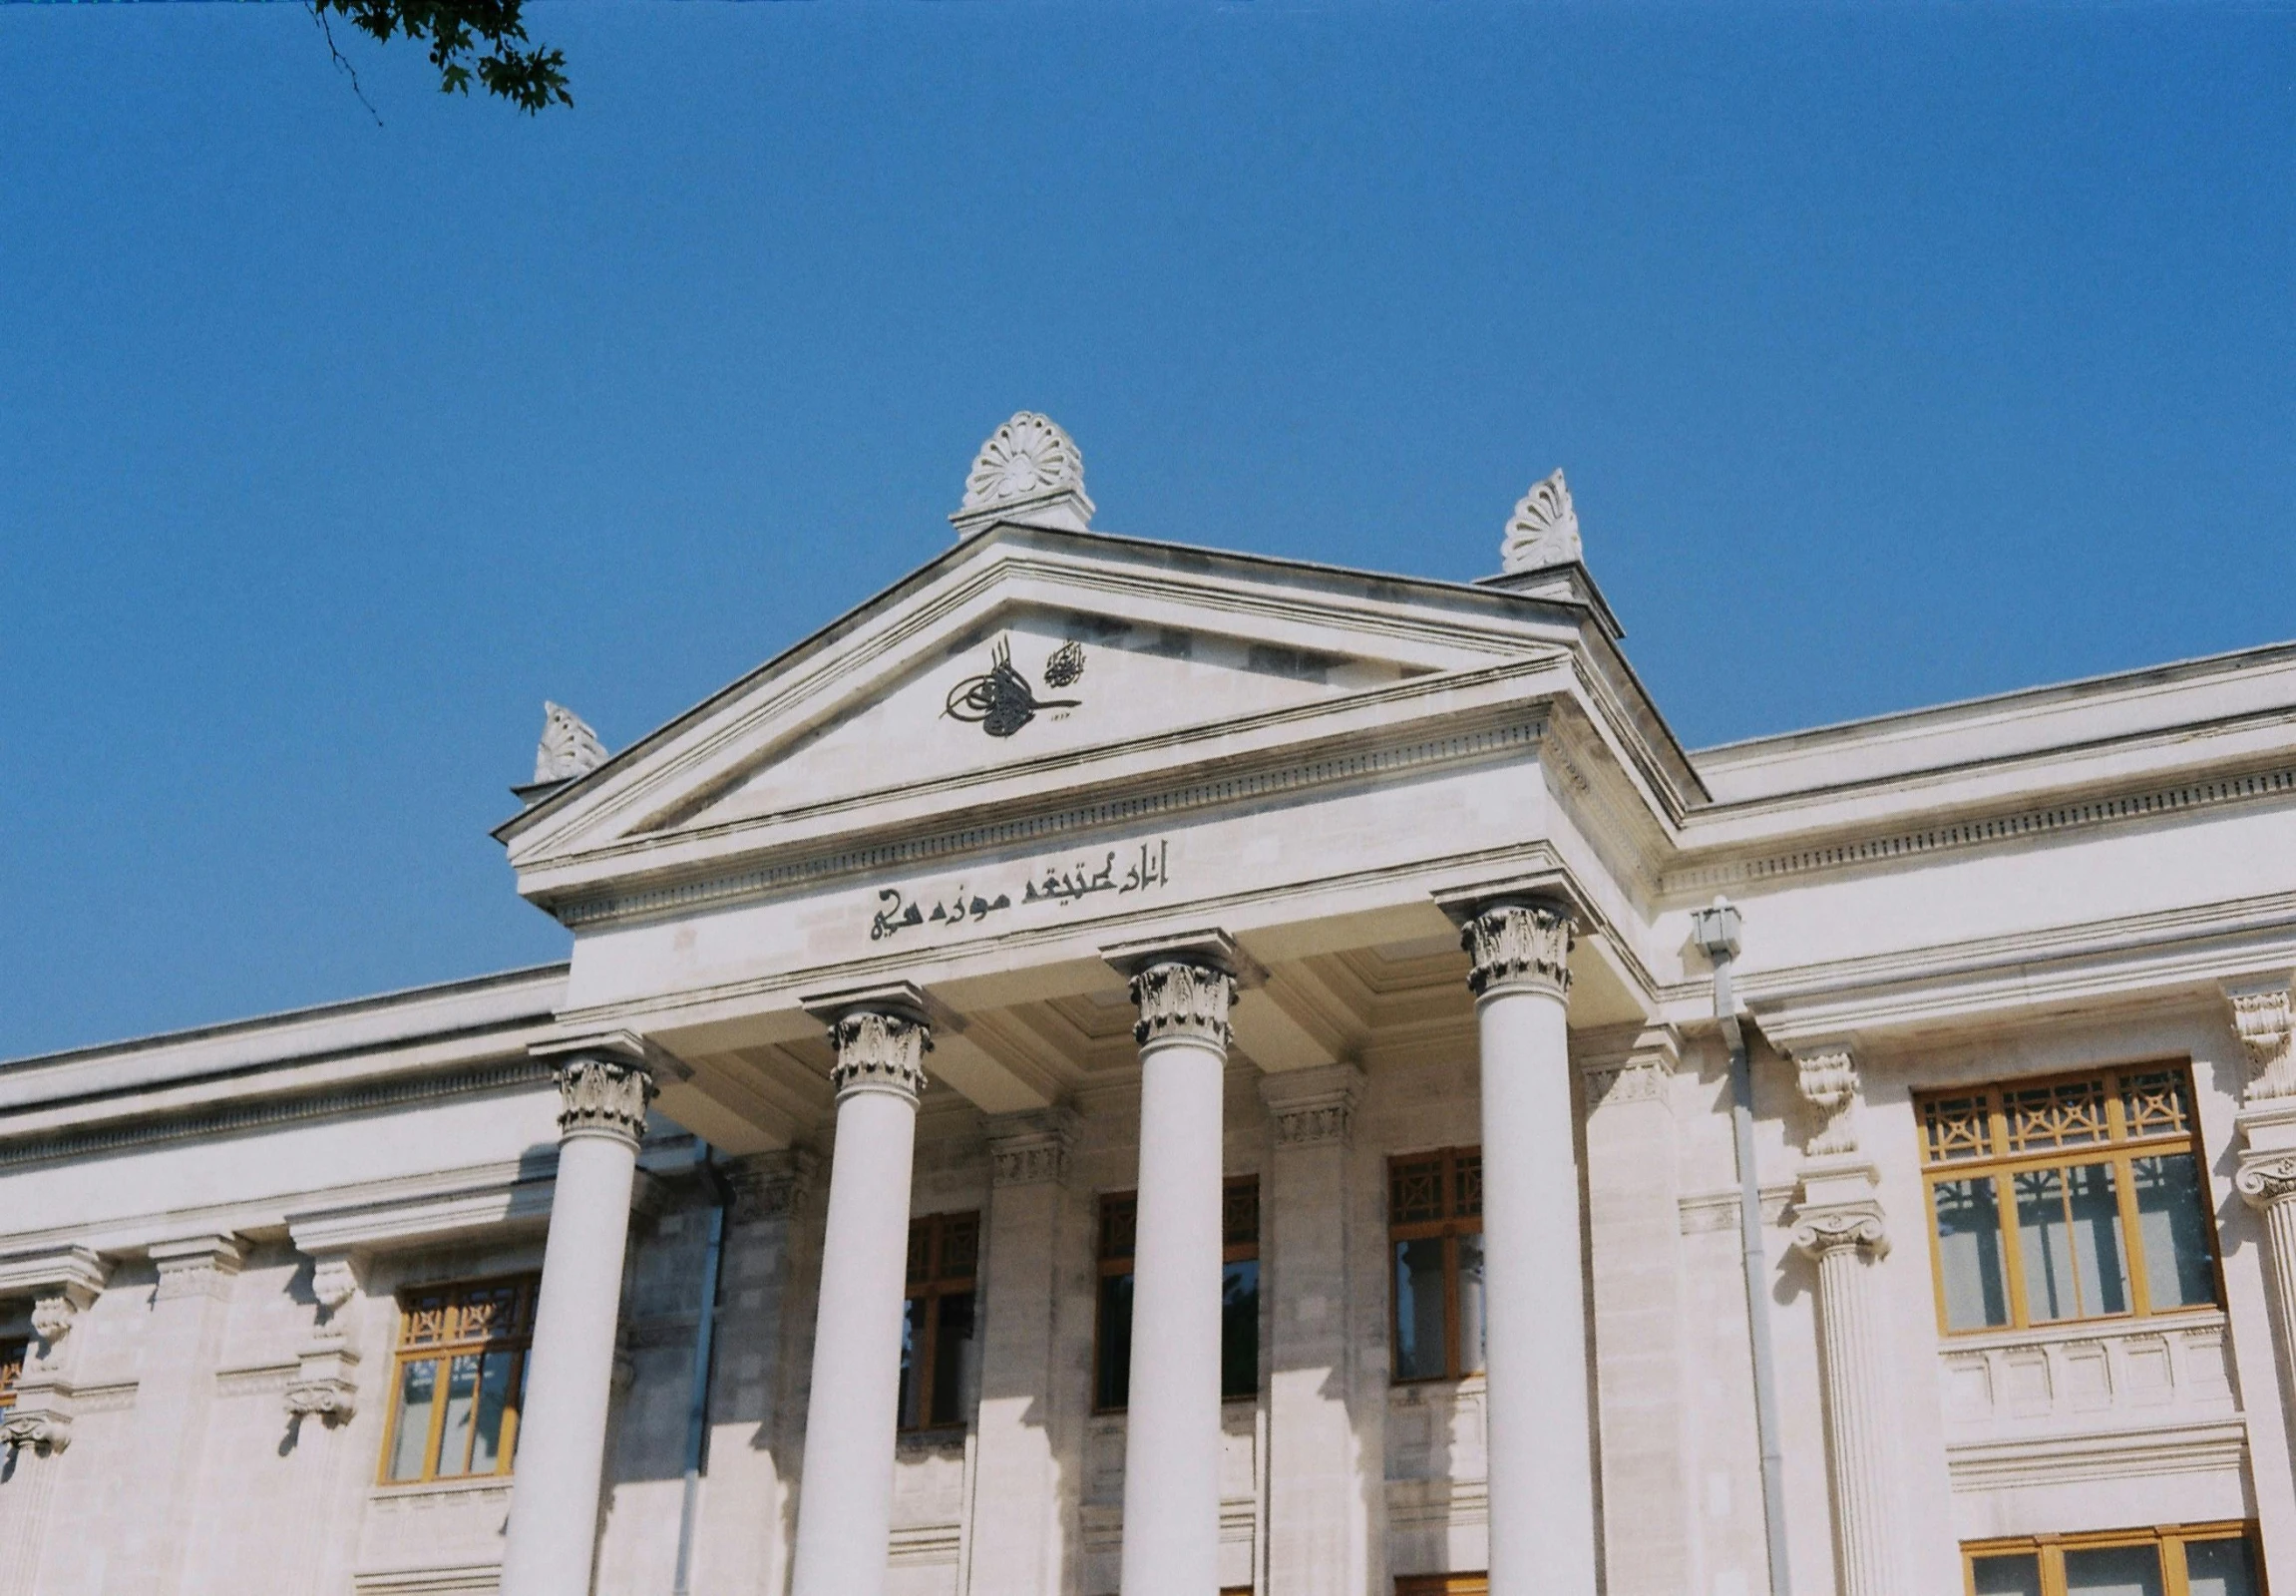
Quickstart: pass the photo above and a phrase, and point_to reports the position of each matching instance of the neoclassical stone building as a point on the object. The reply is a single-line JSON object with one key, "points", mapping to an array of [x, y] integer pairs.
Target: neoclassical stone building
{"points": [[1118, 1067]]}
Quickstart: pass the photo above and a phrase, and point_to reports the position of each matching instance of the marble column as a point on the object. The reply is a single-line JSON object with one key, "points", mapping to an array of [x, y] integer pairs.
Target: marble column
{"points": [[1017, 1547], [603, 1086], [38, 1426], [845, 1491], [1317, 1522], [1542, 1487], [1635, 1215], [1172, 1425], [2266, 1177], [1839, 1225]]}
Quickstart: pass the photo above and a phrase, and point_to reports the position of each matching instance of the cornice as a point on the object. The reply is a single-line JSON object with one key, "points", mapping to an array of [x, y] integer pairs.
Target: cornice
{"points": [[2129, 957], [235, 1117]]}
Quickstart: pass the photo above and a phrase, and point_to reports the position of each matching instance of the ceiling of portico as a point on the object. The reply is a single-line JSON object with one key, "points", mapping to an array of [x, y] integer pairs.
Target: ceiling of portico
{"points": [[1400, 1002]]}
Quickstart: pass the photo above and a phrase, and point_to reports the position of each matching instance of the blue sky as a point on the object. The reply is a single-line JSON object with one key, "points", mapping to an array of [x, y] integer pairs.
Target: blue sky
{"points": [[1896, 354]]}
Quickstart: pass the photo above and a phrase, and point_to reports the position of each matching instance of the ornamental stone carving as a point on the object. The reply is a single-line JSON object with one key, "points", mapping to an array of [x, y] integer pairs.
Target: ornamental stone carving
{"points": [[1820, 1231], [1030, 1148], [600, 1094], [325, 1381], [43, 1426], [879, 1051], [1519, 945], [1313, 1107], [568, 748], [1028, 470], [2261, 1014], [1543, 531], [53, 1316], [1828, 1082], [1182, 1001], [2262, 1182], [334, 1281]]}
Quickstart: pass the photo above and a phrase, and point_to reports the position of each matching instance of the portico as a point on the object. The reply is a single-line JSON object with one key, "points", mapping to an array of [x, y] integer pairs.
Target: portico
{"points": [[1053, 774]]}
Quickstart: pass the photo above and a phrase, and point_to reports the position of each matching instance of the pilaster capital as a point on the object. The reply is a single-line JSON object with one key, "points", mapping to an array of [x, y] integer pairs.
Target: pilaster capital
{"points": [[1518, 947], [195, 1266], [1313, 1107], [1827, 1078], [1644, 1075], [1029, 1147], [2261, 1014], [41, 1417], [325, 1383], [769, 1186], [2263, 1182]]}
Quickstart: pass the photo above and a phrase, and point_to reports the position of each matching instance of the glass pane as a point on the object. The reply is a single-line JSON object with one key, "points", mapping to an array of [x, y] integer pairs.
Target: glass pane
{"points": [[2219, 1568], [2172, 1222], [1470, 1304], [951, 1358], [1239, 1328], [1419, 1308], [2017, 1574], [912, 1350], [1969, 1253], [494, 1396], [2046, 1243], [1112, 1380], [418, 1383], [2099, 1249], [2113, 1571], [462, 1398]]}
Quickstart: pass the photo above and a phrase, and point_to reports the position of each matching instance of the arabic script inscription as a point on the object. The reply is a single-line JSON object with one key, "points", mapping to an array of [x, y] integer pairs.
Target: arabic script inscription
{"points": [[1147, 869]]}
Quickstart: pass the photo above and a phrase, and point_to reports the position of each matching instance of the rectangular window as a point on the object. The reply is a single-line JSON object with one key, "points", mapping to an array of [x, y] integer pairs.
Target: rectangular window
{"points": [[1442, 1585], [2067, 1199], [457, 1380], [937, 1320], [11, 1369], [1239, 1295], [2180, 1560], [1435, 1236]]}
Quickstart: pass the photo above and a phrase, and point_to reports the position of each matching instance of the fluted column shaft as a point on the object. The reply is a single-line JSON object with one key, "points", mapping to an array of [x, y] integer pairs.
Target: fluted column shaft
{"points": [[2268, 1185], [844, 1491], [1541, 1492], [569, 1373], [1844, 1243], [1172, 1427]]}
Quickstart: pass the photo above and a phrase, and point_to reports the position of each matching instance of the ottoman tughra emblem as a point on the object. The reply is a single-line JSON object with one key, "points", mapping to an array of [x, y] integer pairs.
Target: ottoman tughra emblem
{"points": [[1000, 701]]}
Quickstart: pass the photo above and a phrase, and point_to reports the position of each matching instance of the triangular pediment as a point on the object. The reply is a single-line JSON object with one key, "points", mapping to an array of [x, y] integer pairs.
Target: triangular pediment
{"points": [[1026, 659]]}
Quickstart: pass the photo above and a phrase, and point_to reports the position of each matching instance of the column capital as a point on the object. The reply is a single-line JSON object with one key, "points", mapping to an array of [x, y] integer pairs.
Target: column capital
{"points": [[1313, 1107], [194, 1265], [1834, 1227], [41, 1417], [606, 1080], [1029, 1147], [2264, 1181], [2261, 1014], [1179, 1001], [881, 1034], [1519, 945], [1644, 1074]]}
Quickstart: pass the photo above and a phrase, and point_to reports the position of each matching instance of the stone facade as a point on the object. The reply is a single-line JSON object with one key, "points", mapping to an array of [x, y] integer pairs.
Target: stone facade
{"points": [[1073, 868]]}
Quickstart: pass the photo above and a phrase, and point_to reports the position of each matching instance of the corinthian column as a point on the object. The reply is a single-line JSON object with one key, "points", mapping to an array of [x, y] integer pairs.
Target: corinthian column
{"points": [[1839, 1223], [2266, 1179], [844, 1491], [1172, 1427], [604, 1084], [1542, 1490]]}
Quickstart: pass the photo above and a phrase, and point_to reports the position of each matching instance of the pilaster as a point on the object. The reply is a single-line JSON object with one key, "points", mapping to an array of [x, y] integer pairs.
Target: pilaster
{"points": [[64, 1284], [2267, 1176], [1839, 1225], [1018, 1540], [1317, 1523], [1635, 1215]]}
